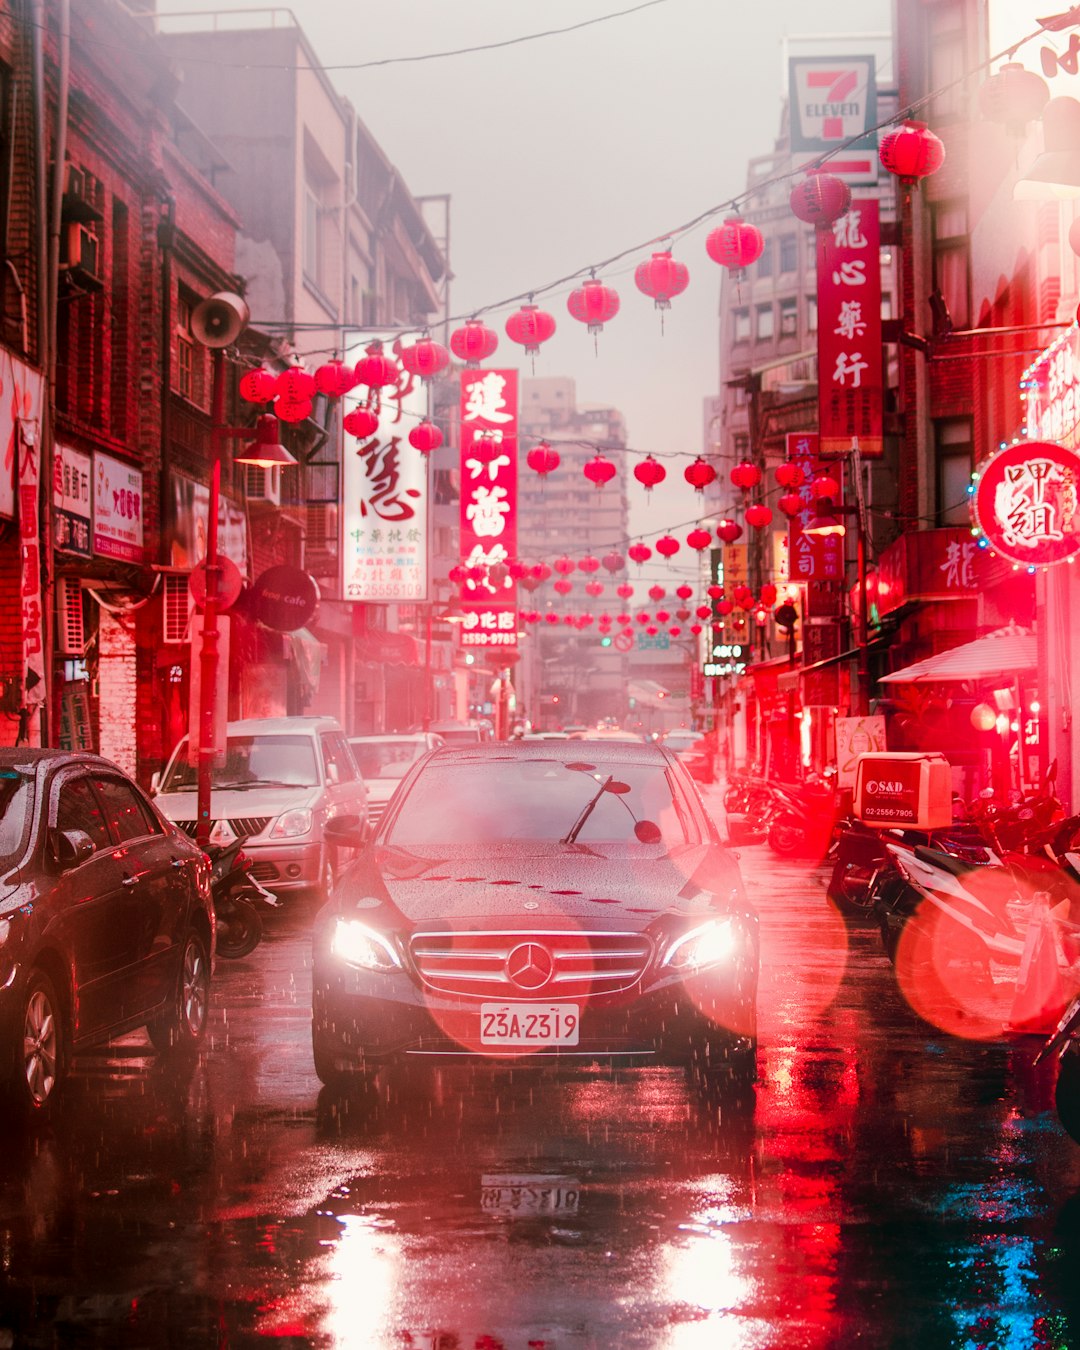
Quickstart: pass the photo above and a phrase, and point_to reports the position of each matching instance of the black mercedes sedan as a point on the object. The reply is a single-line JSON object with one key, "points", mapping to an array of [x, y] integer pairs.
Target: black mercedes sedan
{"points": [[539, 902], [106, 920]]}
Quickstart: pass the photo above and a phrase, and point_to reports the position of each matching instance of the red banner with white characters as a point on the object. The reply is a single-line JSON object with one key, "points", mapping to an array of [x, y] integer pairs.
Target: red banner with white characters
{"points": [[489, 426], [849, 334], [811, 558]]}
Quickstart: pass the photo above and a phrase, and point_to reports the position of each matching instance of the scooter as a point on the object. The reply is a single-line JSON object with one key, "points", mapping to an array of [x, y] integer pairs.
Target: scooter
{"points": [[803, 818], [236, 895], [1064, 1046]]}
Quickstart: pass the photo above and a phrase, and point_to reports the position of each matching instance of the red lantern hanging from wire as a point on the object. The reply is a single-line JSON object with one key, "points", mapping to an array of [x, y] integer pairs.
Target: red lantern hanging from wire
{"points": [[639, 553], [361, 422], [425, 437], [696, 629], [551, 618], [1013, 96], [791, 503], [457, 574], [758, 516], [725, 607], [825, 486], [594, 588], [295, 384], [666, 546], [541, 571], [662, 616], [613, 562], [530, 581], [529, 327], [715, 592], [622, 619], [334, 378], [699, 474], [376, 369], [661, 277], [745, 475], [704, 611], [684, 592], [699, 539], [682, 614], [258, 386], [911, 152], [593, 304], [473, 342], [743, 596], [293, 409], [624, 591], [516, 569], [563, 586], [589, 563], [425, 358], [542, 459], [767, 594], [649, 473], [599, 470], [486, 445], [564, 565], [788, 474], [735, 244], [728, 530], [644, 618], [820, 198], [656, 592]]}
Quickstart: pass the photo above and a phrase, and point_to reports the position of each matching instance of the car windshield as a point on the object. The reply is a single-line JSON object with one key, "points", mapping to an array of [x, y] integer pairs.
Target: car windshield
{"points": [[386, 759], [16, 813], [251, 762], [496, 800]]}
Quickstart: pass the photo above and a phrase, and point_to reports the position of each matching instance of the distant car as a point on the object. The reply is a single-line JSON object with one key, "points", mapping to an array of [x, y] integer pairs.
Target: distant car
{"points": [[474, 733], [106, 922], [385, 760], [556, 902], [695, 751], [283, 778]]}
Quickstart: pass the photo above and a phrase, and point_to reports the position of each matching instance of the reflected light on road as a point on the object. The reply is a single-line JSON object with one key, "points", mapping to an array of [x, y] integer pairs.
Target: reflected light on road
{"points": [[699, 1275], [802, 967], [364, 1279]]}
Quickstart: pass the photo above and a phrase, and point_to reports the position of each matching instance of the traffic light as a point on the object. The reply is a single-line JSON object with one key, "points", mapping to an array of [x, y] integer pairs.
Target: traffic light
{"points": [[605, 641]]}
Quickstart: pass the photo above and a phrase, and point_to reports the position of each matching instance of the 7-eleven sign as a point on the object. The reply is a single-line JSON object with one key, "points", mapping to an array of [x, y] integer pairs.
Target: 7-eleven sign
{"points": [[834, 101]]}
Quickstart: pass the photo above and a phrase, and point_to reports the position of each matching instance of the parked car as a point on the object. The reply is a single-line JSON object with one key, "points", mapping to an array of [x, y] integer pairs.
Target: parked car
{"points": [[106, 922], [283, 778], [695, 751], [562, 901], [473, 733], [385, 760]]}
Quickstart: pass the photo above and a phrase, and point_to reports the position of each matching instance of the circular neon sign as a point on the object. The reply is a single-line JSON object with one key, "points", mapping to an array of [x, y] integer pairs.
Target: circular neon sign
{"points": [[1026, 503]]}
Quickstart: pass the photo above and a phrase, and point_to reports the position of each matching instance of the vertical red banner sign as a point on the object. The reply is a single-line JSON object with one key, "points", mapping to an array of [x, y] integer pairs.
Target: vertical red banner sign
{"points": [[849, 334], [489, 436], [819, 564]]}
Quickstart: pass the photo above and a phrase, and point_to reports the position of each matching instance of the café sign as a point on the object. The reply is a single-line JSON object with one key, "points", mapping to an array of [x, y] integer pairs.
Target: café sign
{"points": [[1025, 503]]}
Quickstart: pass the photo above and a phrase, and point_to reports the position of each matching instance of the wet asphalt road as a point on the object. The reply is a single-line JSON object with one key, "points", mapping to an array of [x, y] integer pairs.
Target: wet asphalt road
{"points": [[887, 1185]]}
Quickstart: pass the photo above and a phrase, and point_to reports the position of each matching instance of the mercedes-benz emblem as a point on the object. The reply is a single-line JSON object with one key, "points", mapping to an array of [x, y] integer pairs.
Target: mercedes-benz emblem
{"points": [[529, 966]]}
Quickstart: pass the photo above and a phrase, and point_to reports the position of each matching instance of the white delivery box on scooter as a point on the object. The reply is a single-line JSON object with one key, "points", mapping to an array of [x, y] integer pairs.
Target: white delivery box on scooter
{"points": [[894, 789]]}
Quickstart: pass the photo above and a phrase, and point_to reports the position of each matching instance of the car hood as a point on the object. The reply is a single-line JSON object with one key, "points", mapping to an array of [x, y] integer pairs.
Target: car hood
{"points": [[239, 802], [553, 882]]}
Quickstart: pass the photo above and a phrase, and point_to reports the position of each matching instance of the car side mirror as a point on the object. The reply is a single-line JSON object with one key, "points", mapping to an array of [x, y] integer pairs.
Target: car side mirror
{"points": [[71, 847], [346, 831], [155, 782]]}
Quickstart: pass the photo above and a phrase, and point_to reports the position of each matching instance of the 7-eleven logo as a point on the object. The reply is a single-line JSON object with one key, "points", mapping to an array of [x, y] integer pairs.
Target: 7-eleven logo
{"points": [[837, 86]]}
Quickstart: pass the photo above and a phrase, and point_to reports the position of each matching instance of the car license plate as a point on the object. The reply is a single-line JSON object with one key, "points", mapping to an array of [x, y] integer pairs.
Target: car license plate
{"points": [[521, 1196], [524, 1024]]}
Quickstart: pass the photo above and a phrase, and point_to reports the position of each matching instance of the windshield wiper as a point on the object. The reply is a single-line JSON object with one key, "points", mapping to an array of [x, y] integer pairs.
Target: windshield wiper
{"points": [[590, 806]]}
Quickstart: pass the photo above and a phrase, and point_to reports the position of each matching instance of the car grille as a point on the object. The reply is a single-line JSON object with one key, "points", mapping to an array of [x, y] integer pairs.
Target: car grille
{"points": [[582, 963], [246, 826]]}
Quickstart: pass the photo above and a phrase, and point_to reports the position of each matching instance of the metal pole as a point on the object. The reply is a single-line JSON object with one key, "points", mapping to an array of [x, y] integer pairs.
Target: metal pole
{"points": [[863, 642], [429, 674], [209, 658]]}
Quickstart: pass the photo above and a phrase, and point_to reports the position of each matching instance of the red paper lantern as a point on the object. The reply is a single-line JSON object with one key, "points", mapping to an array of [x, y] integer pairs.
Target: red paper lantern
{"points": [[675, 631], [699, 539], [529, 327], [699, 474], [791, 503], [639, 553], [820, 199], [656, 592], [644, 618], [622, 619], [666, 546], [652, 630], [516, 569], [569, 620], [613, 562], [758, 515], [293, 409], [682, 614], [589, 563], [542, 459], [334, 378], [295, 384], [542, 571], [745, 475], [564, 565], [473, 342], [704, 611], [661, 278], [258, 386], [743, 596], [650, 472], [767, 594], [584, 620], [684, 592], [377, 370], [662, 616], [1014, 96], [724, 606], [486, 445], [788, 475], [911, 152], [825, 486], [425, 437], [696, 629], [599, 470], [593, 304], [530, 582], [551, 618], [715, 592], [563, 586], [425, 358], [457, 574], [594, 588], [727, 531], [735, 244], [624, 591]]}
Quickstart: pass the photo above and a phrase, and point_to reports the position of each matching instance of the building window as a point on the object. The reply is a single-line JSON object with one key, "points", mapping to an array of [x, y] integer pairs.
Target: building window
{"points": [[789, 318], [740, 325], [764, 324], [741, 445], [765, 261], [952, 269], [953, 456], [313, 253], [789, 252], [811, 313], [185, 350]]}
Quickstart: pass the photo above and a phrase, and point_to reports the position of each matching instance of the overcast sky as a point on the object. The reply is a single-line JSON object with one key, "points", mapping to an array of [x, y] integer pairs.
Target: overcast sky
{"points": [[563, 151]]}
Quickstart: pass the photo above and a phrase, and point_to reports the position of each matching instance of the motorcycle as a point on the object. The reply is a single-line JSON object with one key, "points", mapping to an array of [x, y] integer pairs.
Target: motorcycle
{"points": [[803, 818], [1064, 1046], [236, 895]]}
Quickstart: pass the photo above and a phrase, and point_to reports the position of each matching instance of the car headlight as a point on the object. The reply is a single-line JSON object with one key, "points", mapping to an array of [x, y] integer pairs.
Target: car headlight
{"points": [[358, 945], [711, 944], [291, 823]]}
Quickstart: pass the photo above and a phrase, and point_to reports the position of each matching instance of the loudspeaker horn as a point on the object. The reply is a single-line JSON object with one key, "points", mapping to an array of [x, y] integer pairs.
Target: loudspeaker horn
{"points": [[219, 320]]}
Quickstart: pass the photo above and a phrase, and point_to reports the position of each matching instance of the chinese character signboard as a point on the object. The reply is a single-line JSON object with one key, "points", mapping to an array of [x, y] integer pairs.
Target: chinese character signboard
{"points": [[72, 477], [930, 565], [20, 397], [833, 99], [488, 506], [118, 518], [1050, 390], [1025, 503], [385, 501], [809, 558], [849, 334]]}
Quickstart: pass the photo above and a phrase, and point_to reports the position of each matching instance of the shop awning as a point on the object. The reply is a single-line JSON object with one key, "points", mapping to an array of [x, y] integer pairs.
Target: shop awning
{"points": [[1002, 655]]}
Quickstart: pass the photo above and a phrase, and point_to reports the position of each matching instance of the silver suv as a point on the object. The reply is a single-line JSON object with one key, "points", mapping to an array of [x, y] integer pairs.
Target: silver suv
{"points": [[283, 778]]}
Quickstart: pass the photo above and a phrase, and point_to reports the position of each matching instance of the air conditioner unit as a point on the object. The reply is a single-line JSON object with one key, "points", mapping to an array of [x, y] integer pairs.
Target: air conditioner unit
{"points": [[177, 605], [262, 485], [321, 534], [81, 251], [70, 624]]}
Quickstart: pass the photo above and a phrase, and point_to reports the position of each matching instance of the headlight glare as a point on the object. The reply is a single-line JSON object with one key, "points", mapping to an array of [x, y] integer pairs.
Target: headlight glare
{"points": [[711, 944], [358, 945], [292, 823]]}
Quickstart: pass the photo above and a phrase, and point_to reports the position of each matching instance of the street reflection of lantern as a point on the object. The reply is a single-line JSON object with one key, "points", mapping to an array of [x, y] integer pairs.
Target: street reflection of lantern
{"points": [[699, 474], [649, 473], [727, 530], [425, 437], [911, 152], [758, 515], [699, 539], [745, 475], [639, 553], [735, 244], [542, 459], [473, 342], [599, 470], [666, 546], [361, 422]]}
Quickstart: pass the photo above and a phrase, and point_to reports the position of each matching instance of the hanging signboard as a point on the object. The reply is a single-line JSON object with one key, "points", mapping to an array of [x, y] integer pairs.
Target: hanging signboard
{"points": [[118, 510], [20, 409], [1050, 392], [72, 477], [810, 558], [1025, 503], [850, 395], [385, 497], [20, 396], [833, 100], [489, 421]]}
